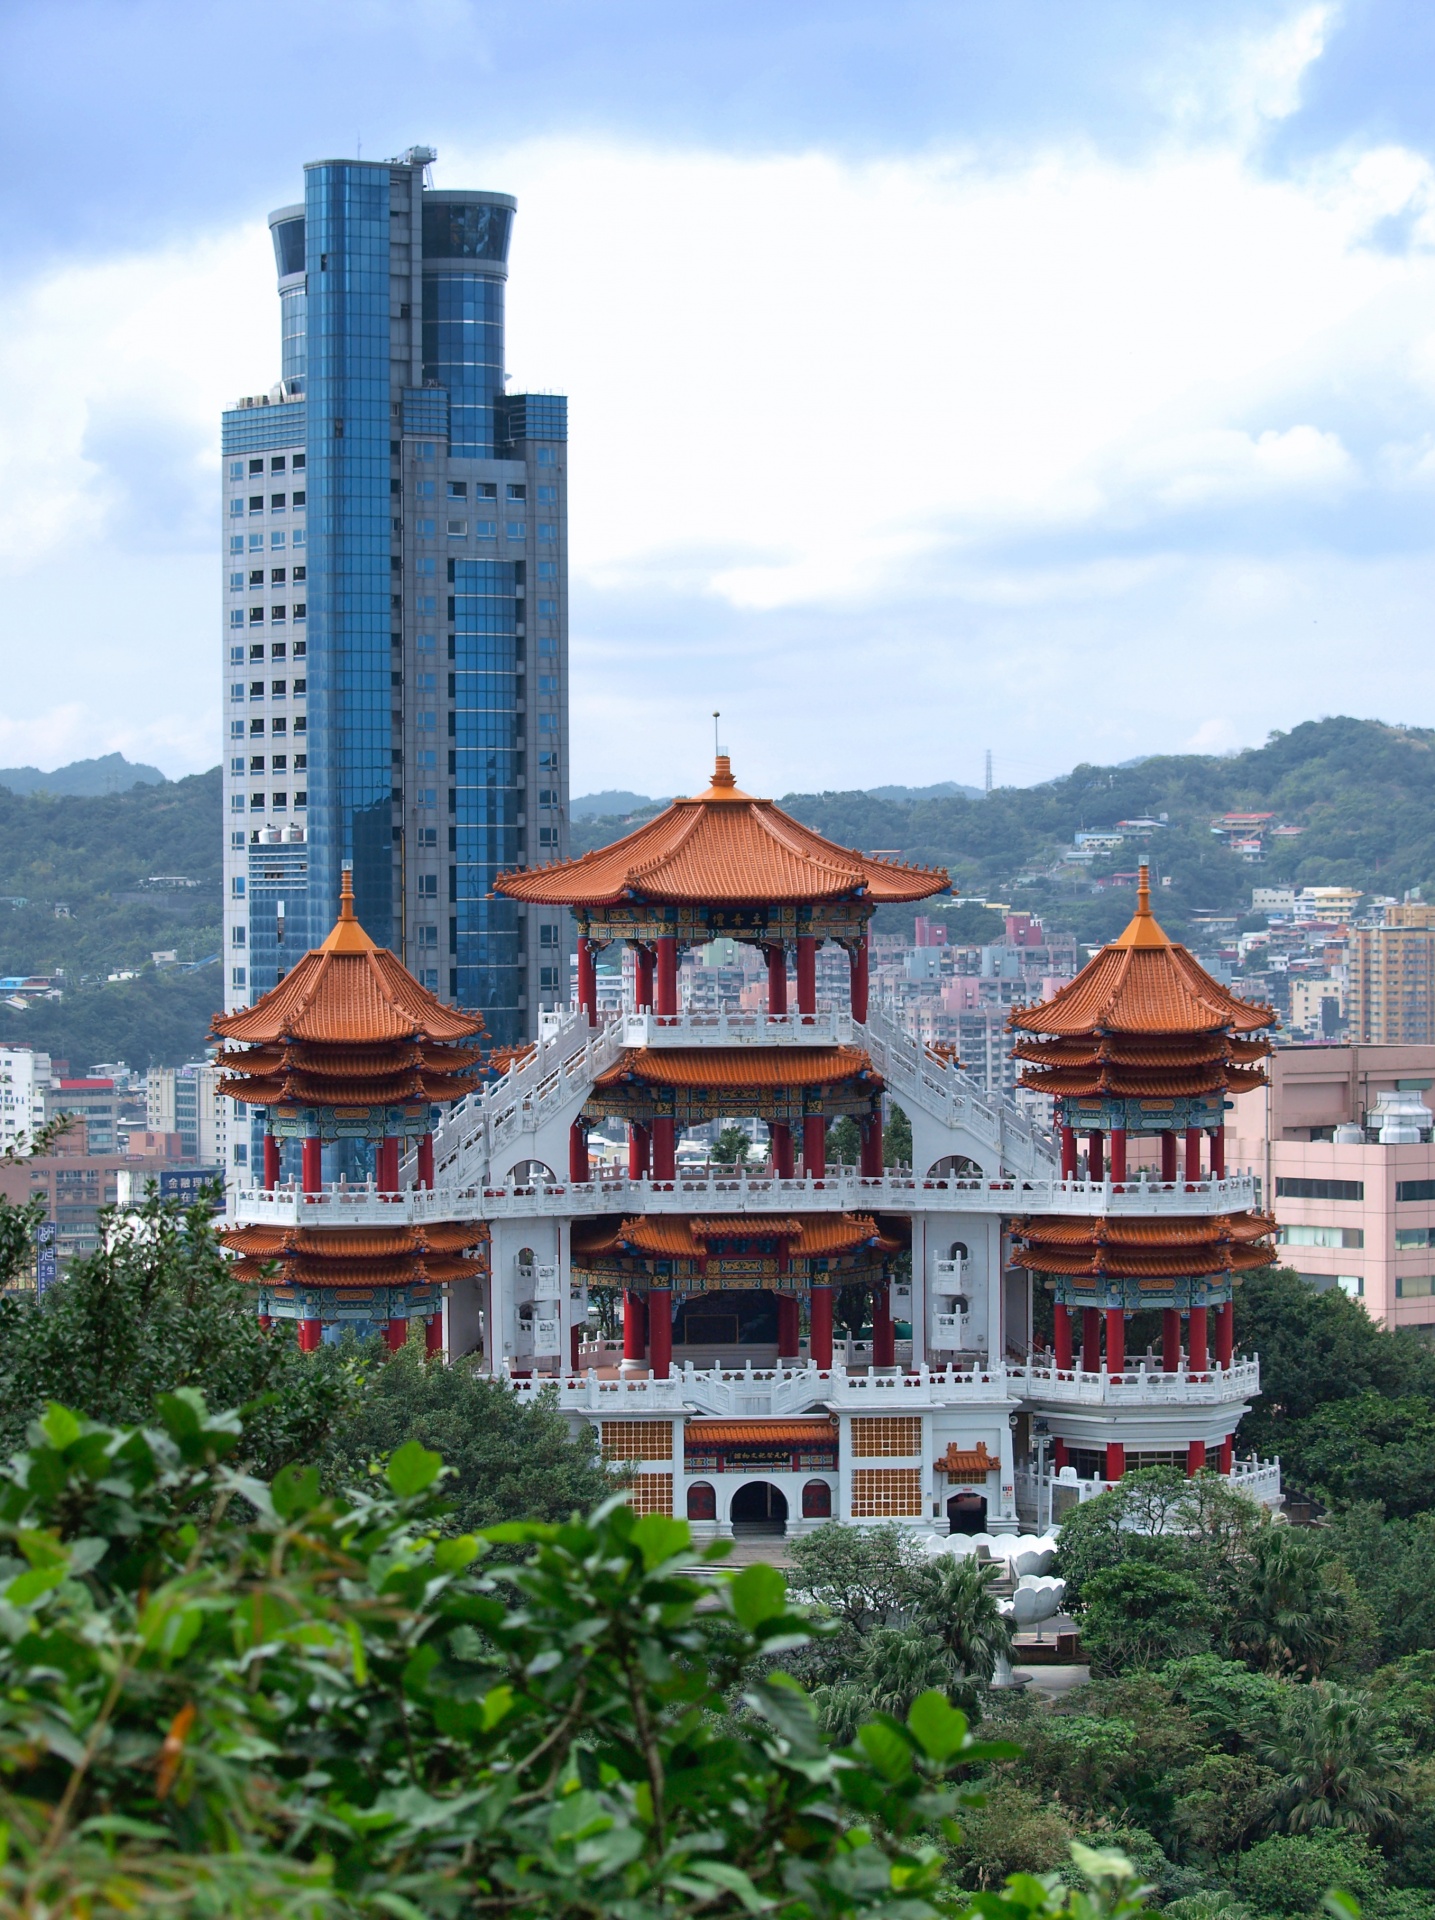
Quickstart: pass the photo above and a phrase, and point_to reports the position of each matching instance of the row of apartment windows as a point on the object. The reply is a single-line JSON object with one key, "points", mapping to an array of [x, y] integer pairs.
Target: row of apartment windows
{"points": [[277, 651], [278, 763], [277, 503], [276, 465], [278, 802], [276, 689], [256, 578], [276, 615], [515, 492], [278, 726], [277, 540]]}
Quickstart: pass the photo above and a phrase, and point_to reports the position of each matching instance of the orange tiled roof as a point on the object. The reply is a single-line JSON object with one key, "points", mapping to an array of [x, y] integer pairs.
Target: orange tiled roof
{"points": [[351, 991], [677, 1237], [439, 1236], [1136, 1249], [1078, 1085], [342, 1270], [736, 1433], [1143, 983], [1117, 1231], [312, 1090], [739, 1067], [723, 846]]}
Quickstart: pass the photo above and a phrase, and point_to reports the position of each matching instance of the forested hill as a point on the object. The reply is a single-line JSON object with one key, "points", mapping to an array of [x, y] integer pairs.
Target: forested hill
{"points": [[1363, 791]]}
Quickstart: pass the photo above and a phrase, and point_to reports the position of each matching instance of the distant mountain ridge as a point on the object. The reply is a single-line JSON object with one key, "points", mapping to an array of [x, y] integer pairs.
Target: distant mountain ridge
{"points": [[615, 803], [84, 779]]}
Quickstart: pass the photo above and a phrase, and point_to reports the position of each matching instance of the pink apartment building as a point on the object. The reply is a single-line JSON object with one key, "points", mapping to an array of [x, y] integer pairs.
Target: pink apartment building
{"points": [[1340, 1141]]}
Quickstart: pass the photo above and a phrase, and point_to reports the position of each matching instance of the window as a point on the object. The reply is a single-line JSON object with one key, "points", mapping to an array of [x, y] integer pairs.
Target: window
{"points": [[485, 490], [256, 503], [425, 451], [237, 766], [236, 619], [278, 725], [256, 543], [485, 529], [301, 762], [301, 610], [301, 725], [301, 647], [276, 464], [548, 496], [547, 531], [426, 757], [277, 688], [236, 936], [256, 466], [887, 1493], [256, 803], [428, 886], [425, 603], [236, 507], [424, 643], [299, 462], [886, 1437], [301, 798], [548, 683], [424, 489], [458, 489], [428, 936], [236, 469], [426, 722], [277, 502], [298, 540], [1322, 1237], [547, 569], [548, 836], [299, 573], [548, 936], [236, 886], [516, 530], [256, 689], [256, 616], [1406, 1237], [256, 727], [236, 729], [1408, 1286], [256, 763], [1415, 1189], [300, 686], [237, 839], [636, 1439], [277, 539], [236, 543], [236, 582], [297, 502], [428, 836], [276, 650], [279, 802], [236, 976], [548, 609], [236, 805], [236, 690], [426, 682], [517, 492], [1289, 1189], [546, 457], [548, 723], [426, 563], [276, 615], [276, 576], [457, 529], [425, 530]]}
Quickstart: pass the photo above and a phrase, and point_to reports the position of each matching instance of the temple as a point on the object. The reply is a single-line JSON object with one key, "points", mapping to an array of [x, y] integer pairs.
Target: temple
{"points": [[349, 1048], [817, 1334]]}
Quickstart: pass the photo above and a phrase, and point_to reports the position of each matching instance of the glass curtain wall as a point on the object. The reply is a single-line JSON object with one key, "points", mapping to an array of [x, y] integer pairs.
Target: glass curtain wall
{"points": [[484, 764]]}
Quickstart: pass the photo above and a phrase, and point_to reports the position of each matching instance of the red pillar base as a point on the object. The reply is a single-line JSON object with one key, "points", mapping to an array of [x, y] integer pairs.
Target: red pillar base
{"points": [[635, 1329], [665, 1149], [312, 1166], [396, 1335], [1059, 1455], [784, 1163], [433, 1335], [578, 1152], [660, 1331], [311, 1334], [1227, 1454], [426, 1161], [1115, 1460]]}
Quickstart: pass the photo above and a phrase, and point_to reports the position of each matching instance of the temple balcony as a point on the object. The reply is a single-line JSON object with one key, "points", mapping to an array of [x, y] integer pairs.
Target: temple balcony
{"points": [[1138, 1385], [348, 1206], [829, 1026]]}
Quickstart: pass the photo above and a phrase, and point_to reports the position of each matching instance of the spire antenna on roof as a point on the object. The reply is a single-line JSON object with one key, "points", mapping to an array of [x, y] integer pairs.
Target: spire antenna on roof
{"points": [[1143, 885], [346, 890]]}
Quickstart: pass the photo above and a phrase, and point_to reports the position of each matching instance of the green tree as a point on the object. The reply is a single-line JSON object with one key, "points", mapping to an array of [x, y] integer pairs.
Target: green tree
{"points": [[1286, 1614], [897, 1139], [956, 1605], [1337, 1763], [1370, 1447], [862, 1577], [1013, 1830], [289, 1704], [732, 1146], [1290, 1875], [508, 1459], [844, 1142], [1137, 1614], [1393, 1565], [155, 1309]]}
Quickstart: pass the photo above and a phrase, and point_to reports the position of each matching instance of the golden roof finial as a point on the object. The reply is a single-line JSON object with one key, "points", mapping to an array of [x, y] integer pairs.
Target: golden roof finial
{"points": [[346, 935], [346, 890], [1144, 929]]}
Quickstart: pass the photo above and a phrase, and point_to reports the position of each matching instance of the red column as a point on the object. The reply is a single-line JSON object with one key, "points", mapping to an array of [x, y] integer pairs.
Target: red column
{"points": [[814, 1146], [587, 981], [1061, 1337], [637, 1150], [1227, 1455], [665, 1148], [578, 1168], [806, 973], [426, 1161], [1170, 1338], [777, 979], [575, 1341], [783, 1165], [1225, 1333], [635, 1331], [1168, 1156], [1090, 1340], [668, 974], [433, 1334], [1195, 1456], [660, 1331], [265, 1322], [644, 983], [271, 1161], [396, 1335], [1068, 1153], [1115, 1340], [884, 1333], [1193, 1153], [1058, 1455], [872, 1147], [819, 1345], [788, 1327], [1198, 1359], [1115, 1460], [1095, 1149], [312, 1166], [1118, 1153], [311, 1334], [860, 980], [1218, 1153], [386, 1166]]}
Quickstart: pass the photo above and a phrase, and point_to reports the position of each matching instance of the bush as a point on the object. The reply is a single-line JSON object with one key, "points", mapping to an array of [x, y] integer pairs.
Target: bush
{"points": [[1013, 1831], [1290, 1875], [1139, 1615]]}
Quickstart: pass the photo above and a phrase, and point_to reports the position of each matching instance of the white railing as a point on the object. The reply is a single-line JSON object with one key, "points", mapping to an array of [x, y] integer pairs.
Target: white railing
{"points": [[913, 1072], [739, 1190], [1137, 1386], [1259, 1480], [345, 1206], [829, 1026]]}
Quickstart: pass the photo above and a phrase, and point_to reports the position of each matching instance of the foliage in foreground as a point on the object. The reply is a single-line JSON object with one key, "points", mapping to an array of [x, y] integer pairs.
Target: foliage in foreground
{"points": [[221, 1696]]}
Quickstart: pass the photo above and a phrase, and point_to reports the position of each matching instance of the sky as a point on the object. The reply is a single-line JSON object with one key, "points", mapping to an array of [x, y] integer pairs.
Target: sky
{"points": [[944, 375]]}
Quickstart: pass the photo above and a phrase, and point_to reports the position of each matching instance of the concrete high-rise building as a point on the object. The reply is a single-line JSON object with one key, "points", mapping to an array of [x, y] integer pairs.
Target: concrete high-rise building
{"points": [[395, 603], [1390, 994], [185, 1100], [24, 1085]]}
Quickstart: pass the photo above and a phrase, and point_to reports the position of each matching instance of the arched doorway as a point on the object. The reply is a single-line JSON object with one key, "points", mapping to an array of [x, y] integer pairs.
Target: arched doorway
{"points": [[967, 1513], [817, 1500], [702, 1501], [758, 1508]]}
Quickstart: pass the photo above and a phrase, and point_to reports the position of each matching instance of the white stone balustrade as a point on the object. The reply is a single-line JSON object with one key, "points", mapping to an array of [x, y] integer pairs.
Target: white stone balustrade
{"points": [[346, 1206], [828, 1027]]}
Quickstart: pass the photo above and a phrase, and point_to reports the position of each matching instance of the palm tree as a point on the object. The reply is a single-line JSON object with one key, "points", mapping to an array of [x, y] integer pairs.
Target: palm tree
{"points": [[956, 1605], [1337, 1761], [898, 1663], [1287, 1618]]}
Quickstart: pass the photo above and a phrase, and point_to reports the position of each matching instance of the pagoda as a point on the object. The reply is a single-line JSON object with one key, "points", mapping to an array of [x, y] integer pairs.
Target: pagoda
{"points": [[349, 1047], [1138, 1054], [726, 864]]}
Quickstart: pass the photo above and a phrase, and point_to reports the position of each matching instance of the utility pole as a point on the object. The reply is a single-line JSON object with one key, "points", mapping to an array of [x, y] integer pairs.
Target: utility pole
{"points": [[989, 771]]}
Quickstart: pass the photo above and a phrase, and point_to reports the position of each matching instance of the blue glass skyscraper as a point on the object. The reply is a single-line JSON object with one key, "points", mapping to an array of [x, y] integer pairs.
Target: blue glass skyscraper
{"points": [[395, 639]]}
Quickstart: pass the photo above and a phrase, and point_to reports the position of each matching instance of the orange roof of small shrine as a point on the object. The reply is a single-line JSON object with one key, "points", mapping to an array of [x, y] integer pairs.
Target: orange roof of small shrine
{"points": [[1143, 982], [349, 991], [733, 1067], [675, 1237], [776, 1433], [721, 846], [1144, 1249]]}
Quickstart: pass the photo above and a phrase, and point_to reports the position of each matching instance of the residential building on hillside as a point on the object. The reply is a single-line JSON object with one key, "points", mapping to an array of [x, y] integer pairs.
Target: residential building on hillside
{"points": [[185, 1101], [1340, 1143], [1391, 979], [395, 604]]}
